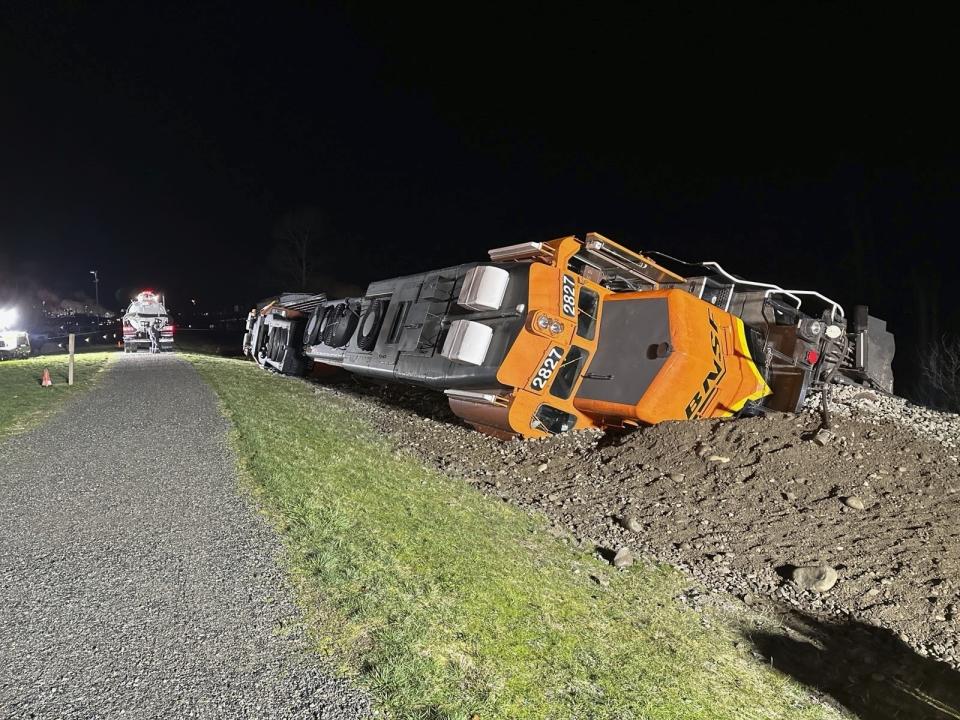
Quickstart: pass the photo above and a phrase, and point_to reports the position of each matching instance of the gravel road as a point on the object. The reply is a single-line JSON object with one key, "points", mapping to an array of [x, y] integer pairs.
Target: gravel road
{"points": [[135, 580]]}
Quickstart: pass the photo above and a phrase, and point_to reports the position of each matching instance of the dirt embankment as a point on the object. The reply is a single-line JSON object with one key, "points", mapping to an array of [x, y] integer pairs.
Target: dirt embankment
{"points": [[737, 504]]}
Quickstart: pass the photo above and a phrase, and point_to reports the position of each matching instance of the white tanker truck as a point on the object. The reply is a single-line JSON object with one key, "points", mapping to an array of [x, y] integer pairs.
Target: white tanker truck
{"points": [[146, 325]]}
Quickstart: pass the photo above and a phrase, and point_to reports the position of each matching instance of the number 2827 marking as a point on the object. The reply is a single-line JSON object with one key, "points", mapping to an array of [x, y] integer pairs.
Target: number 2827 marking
{"points": [[567, 295], [547, 368]]}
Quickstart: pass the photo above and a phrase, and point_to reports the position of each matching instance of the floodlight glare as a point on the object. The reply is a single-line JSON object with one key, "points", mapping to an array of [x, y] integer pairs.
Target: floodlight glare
{"points": [[8, 316]]}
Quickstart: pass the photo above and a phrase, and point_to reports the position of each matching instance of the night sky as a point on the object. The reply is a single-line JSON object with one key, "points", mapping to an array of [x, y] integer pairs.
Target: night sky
{"points": [[814, 145]]}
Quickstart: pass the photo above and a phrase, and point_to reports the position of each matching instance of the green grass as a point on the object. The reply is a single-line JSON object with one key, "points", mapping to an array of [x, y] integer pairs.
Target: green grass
{"points": [[449, 604], [24, 403], [208, 342]]}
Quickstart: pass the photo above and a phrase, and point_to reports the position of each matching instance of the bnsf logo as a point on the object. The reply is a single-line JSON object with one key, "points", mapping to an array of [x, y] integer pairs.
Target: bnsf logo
{"points": [[711, 383], [567, 296]]}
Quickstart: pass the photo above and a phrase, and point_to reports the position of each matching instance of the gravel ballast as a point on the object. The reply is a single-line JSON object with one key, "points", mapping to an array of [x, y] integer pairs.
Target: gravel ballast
{"points": [[135, 579]]}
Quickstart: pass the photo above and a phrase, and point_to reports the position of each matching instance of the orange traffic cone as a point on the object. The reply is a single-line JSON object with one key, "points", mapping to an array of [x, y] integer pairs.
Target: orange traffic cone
{"points": [[46, 381]]}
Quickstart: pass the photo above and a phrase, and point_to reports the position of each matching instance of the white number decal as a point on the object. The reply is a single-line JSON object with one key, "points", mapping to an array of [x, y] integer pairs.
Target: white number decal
{"points": [[567, 301], [550, 363]]}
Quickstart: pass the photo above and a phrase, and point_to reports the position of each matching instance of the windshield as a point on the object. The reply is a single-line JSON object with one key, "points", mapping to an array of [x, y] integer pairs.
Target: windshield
{"points": [[568, 373], [588, 303]]}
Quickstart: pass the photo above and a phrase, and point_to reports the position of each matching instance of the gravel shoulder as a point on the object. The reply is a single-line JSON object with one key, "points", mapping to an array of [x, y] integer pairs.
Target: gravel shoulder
{"points": [[135, 580]]}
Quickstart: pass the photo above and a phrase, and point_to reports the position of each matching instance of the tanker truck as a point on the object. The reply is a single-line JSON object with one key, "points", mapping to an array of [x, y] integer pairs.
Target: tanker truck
{"points": [[547, 337], [146, 324]]}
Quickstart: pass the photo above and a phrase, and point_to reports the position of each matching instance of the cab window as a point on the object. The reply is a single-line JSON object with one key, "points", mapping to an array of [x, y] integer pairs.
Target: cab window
{"points": [[588, 303], [553, 420], [568, 373]]}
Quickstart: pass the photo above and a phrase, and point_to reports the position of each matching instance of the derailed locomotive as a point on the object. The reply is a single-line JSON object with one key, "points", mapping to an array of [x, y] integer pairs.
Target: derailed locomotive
{"points": [[547, 337]]}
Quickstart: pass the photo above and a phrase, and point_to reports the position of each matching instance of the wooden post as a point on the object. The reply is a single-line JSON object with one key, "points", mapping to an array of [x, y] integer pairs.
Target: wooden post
{"points": [[71, 344]]}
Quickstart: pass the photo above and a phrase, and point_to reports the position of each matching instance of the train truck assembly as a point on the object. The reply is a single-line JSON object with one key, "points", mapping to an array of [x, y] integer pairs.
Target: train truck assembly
{"points": [[547, 337]]}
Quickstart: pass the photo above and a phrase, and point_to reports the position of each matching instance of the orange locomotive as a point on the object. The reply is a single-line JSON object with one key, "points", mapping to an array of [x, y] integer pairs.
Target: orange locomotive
{"points": [[562, 335]]}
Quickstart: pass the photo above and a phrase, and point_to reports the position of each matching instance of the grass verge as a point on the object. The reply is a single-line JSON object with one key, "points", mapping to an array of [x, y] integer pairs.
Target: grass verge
{"points": [[448, 604], [24, 403]]}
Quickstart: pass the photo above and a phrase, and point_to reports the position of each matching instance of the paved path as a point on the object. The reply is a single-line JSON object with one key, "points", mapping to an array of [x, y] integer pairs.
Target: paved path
{"points": [[134, 578]]}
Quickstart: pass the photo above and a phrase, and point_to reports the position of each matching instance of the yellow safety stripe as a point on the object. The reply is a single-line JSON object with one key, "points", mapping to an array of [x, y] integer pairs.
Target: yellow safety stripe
{"points": [[761, 383]]}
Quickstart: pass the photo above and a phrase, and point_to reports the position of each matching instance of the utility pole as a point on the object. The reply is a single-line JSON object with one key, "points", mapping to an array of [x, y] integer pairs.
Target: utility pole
{"points": [[96, 286]]}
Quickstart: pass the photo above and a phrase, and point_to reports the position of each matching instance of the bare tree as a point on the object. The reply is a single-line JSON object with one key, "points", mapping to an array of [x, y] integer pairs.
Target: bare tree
{"points": [[940, 371], [297, 236]]}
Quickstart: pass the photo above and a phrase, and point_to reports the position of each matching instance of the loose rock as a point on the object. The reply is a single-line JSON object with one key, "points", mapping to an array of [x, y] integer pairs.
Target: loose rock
{"points": [[854, 502], [623, 558], [818, 578], [823, 437]]}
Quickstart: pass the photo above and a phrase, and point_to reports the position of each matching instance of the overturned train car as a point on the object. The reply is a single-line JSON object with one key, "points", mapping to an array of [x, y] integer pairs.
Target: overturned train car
{"points": [[568, 334]]}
